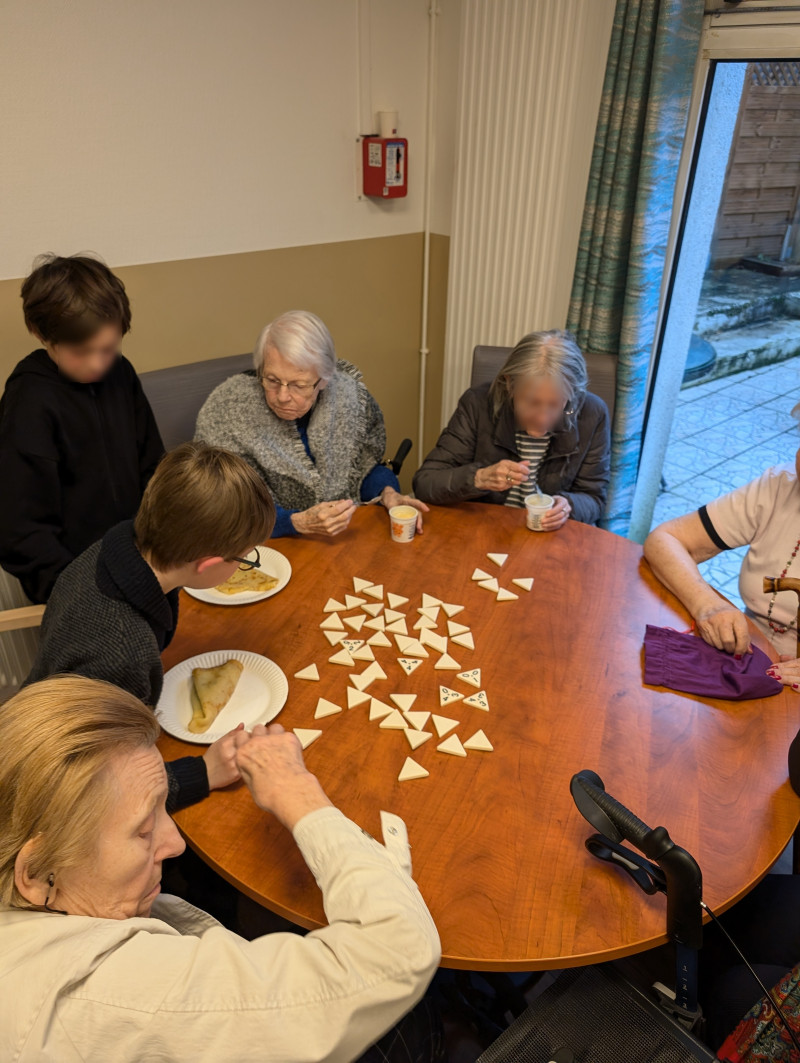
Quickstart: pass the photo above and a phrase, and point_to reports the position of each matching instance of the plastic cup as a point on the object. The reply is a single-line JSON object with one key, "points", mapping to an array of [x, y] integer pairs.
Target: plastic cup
{"points": [[535, 508], [403, 521]]}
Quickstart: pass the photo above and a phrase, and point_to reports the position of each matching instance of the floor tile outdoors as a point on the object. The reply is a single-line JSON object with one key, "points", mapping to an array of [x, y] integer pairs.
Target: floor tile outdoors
{"points": [[724, 434]]}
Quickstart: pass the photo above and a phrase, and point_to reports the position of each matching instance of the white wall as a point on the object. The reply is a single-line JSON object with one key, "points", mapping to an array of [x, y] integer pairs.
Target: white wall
{"points": [[152, 130]]}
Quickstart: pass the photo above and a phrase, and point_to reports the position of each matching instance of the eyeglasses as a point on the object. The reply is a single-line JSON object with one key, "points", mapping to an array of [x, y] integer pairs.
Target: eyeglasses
{"points": [[271, 383], [246, 563]]}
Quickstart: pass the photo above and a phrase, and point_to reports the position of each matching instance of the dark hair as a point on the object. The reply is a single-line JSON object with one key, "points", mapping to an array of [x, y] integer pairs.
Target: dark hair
{"points": [[202, 501], [66, 300]]}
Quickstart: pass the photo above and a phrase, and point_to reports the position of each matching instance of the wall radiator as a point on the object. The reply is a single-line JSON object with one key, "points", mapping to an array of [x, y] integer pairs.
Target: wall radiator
{"points": [[530, 78]]}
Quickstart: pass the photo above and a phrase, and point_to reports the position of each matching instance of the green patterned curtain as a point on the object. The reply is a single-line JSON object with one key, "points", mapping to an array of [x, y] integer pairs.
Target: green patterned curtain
{"points": [[626, 218]]}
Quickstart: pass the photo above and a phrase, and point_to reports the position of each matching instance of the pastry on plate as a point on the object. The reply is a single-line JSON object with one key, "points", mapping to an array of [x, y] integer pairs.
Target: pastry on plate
{"points": [[251, 580], [210, 691]]}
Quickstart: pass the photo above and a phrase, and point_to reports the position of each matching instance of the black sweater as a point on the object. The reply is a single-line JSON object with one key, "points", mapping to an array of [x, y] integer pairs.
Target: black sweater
{"points": [[74, 461], [108, 618]]}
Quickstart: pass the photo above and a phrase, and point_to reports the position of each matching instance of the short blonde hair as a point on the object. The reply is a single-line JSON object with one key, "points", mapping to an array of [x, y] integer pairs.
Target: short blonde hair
{"points": [[554, 354], [302, 339], [57, 738], [202, 501]]}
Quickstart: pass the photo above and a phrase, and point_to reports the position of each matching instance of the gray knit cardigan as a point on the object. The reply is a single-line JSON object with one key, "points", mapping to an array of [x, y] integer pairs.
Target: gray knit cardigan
{"points": [[346, 435]]}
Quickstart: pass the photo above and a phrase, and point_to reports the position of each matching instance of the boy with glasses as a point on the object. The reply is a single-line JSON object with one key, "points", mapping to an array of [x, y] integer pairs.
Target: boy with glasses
{"points": [[115, 608]]}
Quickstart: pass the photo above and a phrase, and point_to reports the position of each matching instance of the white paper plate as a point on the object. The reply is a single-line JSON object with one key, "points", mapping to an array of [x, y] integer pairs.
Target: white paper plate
{"points": [[271, 561], [259, 696]]}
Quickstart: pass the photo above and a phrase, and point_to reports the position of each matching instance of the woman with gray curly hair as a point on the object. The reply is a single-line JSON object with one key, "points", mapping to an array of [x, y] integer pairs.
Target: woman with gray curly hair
{"points": [[308, 425], [536, 426]]}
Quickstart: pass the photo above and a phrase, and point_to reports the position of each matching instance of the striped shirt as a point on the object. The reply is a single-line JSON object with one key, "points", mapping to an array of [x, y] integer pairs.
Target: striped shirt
{"points": [[533, 450]]}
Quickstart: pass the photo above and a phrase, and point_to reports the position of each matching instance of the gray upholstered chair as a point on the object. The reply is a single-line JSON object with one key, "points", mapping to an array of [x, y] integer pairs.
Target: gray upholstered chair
{"points": [[177, 393], [488, 361]]}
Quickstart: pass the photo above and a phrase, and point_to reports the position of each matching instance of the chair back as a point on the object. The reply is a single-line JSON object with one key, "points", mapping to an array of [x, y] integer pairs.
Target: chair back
{"points": [[177, 393], [602, 368]]}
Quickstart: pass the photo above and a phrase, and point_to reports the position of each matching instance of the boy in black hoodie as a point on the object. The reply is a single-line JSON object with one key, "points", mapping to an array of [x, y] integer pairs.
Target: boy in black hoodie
{"points": [[78, 440]]}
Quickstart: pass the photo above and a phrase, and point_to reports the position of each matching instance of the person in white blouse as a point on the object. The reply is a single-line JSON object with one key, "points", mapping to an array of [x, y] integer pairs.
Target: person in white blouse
{"points": [[96, 966], [764, 515]]}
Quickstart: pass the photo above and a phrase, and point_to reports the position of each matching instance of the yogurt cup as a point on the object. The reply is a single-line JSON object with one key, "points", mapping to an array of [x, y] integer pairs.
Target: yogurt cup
{"points": [[403, 522], [535, 508]]}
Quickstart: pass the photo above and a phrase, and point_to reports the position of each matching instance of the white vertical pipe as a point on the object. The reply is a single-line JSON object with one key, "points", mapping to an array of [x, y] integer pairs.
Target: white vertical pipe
{"points": [[433, 12]]}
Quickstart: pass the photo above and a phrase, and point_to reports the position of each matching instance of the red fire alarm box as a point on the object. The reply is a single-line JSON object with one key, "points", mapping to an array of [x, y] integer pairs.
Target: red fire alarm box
{"points": [[385, 167]]}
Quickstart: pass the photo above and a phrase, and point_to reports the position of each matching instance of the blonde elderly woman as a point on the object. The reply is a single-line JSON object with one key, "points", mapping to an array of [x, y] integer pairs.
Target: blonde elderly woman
{"points": [[307, 423], [535, 425], [763, 515], [96, 966]]}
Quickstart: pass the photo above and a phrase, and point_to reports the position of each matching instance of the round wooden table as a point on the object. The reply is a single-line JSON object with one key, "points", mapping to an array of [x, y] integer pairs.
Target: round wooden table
{"points": [[497, 844]]}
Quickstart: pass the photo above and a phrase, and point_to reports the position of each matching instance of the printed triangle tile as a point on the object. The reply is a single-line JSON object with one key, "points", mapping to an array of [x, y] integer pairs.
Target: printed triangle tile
{"points": [[473, 677], [306, 735], [478, 701], [352, 644], [311, 672], [443, 724], [412, 770], [447, 694], [409, 664], [452, 745], [479, 741]]}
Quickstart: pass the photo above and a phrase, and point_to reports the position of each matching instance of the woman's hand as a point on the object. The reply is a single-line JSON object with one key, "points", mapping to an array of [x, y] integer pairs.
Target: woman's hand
{"points": [[787, 671], [390, 497], [501, 476], [557, 517], [272, 765], [220, 758], [326, 518], [723, 625]]}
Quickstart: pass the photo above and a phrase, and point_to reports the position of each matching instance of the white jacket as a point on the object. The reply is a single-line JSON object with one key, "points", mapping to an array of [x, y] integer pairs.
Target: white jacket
{"points": [[179, 986]]}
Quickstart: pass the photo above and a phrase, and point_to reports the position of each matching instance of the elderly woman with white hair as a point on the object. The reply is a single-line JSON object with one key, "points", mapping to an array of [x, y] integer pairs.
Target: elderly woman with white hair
{"points": [[534, 427], [96, 965], [307, 423]]}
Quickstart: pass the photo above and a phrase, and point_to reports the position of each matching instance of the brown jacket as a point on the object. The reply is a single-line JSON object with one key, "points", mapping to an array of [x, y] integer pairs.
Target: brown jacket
{"points": [[576, 465]]}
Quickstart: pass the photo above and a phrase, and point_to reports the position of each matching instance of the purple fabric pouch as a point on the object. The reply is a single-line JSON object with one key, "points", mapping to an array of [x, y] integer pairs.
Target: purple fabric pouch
{"points": [[683, 661]]}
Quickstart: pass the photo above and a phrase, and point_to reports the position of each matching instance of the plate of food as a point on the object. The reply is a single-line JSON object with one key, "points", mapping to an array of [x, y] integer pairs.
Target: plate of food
{"points": [[206, 696], [251, 585]]}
